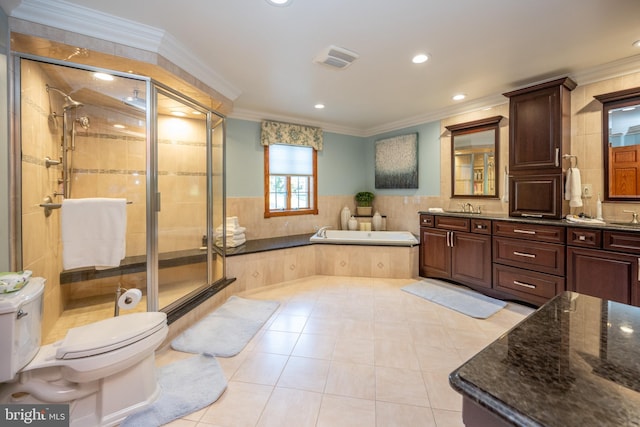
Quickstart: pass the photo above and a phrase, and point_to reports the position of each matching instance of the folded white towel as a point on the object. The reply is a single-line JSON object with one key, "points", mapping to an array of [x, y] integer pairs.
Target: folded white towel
{"points": [[232, 242], [93, 232], [232, 221], [230, 231], [577, 219], [573, 188]]}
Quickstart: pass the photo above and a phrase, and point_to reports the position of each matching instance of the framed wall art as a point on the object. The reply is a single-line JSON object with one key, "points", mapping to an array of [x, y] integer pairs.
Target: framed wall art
{"points": [[396, 163]]}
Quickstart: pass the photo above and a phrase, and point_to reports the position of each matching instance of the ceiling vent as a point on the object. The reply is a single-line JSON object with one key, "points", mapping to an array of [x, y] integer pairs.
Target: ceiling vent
{"points": [[336, 57]]}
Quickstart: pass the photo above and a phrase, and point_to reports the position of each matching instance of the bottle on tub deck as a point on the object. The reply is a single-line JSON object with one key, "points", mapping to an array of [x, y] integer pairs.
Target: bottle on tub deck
{"points": [[376, 221], [345, 214], [353, 223]]}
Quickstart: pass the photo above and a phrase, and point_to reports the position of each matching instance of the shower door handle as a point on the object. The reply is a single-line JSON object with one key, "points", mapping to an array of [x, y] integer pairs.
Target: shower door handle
{"points": [[158, 201]]}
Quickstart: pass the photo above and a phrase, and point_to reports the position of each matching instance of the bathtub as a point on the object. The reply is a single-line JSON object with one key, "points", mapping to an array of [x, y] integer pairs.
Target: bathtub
{"points": [[373, 238]]}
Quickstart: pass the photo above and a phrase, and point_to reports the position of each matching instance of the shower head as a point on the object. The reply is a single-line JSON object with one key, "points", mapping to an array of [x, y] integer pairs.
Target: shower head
{"points": [[68, 102], [135, 101]]}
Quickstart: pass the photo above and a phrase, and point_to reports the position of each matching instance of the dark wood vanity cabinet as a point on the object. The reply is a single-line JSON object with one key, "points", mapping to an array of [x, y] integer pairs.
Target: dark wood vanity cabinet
{"points": [[531, 260], [528, 260], [456, 248], [539, 135], [604, 264]]}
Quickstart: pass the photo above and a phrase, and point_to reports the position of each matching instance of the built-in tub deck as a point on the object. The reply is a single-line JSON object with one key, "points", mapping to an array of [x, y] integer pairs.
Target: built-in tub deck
{"points": [[367, 238]]}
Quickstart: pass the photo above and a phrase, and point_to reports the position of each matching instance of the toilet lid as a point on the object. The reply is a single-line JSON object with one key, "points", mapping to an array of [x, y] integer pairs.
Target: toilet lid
{"points": [[109, 334]]}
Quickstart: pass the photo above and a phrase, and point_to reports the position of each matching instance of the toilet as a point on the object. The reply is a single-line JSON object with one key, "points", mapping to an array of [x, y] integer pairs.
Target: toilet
{"points": [[105, 371]]}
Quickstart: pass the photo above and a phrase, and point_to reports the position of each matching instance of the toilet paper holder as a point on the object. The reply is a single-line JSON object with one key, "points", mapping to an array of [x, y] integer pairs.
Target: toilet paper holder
{"points": [[126, 299]]}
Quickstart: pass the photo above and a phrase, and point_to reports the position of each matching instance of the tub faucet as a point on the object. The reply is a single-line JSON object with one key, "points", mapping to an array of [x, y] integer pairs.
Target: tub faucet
{"points": [[322, 232]]}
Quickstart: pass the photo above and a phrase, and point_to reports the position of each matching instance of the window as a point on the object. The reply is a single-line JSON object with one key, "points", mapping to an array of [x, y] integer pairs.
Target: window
{"points": [[290, 180]]}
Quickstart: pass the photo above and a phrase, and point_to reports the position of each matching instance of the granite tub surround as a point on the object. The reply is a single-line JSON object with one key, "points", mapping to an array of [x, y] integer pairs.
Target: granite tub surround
{"points": [[573, 362]]}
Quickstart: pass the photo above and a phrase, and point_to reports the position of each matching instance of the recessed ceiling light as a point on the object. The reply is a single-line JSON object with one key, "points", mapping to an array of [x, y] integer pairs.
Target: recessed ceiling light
{"points": [[319, 106], [103, 76], [421, 58], [636, 43], [118, 126], [178, 114], [459, 97], [279, 2]]}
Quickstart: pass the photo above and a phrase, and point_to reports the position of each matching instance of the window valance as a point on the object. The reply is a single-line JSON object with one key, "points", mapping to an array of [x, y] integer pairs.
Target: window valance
{"points": [[291, 134]]}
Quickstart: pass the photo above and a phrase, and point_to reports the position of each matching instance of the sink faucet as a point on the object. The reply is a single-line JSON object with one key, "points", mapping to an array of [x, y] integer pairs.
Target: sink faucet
{"points": [[635, 217], [322, 232], [468, 205]]}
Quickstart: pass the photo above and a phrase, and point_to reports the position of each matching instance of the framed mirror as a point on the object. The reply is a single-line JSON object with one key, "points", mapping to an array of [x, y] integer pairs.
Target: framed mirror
{"points": [[621, 144], [474, 158]]}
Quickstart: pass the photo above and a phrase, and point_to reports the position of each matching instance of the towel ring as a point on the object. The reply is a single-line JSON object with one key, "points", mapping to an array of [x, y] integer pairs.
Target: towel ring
{"points": [[571, 158]]}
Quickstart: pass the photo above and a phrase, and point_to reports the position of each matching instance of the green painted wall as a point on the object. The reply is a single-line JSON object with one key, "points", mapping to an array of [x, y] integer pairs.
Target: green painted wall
{"points": [[345, 165], [428, 160]]}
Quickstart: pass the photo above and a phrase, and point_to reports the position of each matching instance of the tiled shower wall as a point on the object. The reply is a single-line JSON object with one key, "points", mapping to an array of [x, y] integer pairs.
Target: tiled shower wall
{"points": [[40, 135]]}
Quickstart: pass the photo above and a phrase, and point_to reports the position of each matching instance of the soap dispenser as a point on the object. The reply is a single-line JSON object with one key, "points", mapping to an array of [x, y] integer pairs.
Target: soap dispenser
{"points": [[599, 208]]}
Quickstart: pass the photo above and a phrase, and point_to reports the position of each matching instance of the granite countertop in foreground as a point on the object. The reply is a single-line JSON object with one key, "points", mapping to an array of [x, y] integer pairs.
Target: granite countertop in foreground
{"points": [[573, 362]]}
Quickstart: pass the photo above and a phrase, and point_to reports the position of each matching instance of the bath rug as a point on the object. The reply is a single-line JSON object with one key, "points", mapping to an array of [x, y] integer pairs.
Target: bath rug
{"points": [[458, 298], [186, 386], [228, 329]]}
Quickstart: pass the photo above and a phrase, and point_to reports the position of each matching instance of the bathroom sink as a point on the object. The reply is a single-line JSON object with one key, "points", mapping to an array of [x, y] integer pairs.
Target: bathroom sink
{"points": [[462, 212], [626, 224]]}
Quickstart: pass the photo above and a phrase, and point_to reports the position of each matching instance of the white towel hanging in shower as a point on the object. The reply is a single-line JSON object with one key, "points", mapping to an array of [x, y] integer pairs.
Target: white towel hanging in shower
{"points": [[93, 232]]}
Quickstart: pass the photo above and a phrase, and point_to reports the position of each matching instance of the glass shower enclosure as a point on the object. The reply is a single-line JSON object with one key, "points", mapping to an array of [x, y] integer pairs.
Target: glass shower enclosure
{"points": [[92, 133]]}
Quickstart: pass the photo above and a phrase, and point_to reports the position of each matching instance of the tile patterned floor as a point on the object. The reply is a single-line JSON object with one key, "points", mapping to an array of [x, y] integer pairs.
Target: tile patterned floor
{"points": [[344, 351]]}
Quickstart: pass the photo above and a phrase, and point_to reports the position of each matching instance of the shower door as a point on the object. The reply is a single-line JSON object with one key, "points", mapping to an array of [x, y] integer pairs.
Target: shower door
{"points": [[89, 134], [182, 241]]}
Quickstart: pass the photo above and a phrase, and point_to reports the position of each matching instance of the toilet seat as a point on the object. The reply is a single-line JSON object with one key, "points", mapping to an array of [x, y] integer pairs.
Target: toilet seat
{"points": [[108, 335]]}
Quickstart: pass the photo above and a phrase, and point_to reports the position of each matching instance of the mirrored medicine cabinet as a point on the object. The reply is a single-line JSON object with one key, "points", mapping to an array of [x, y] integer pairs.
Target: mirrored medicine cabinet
{"points": [[474, 158], [621, 144]]}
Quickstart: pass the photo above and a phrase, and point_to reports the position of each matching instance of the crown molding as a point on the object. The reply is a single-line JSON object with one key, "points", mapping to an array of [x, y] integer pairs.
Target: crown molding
{"points": [[82, 20], [89, 22]]}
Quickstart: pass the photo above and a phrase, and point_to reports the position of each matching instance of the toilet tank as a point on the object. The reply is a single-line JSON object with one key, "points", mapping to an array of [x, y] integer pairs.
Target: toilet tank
{"points": [[20, 324]]}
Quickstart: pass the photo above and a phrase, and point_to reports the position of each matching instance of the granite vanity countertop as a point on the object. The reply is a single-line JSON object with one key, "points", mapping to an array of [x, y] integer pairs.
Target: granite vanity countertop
{"points": [[573, 362], [613, 225]]}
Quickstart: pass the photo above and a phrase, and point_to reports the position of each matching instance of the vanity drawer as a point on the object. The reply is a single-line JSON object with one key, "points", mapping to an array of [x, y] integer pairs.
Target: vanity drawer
{"points": [[543, 257], [538, 287], [540, 233], [453, 223], [426, 220], [622, 242], [482, 226], [584, 237]]}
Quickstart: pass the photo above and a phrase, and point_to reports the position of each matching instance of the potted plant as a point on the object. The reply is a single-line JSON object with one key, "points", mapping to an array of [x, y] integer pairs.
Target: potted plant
{"points": [[364, 200]]}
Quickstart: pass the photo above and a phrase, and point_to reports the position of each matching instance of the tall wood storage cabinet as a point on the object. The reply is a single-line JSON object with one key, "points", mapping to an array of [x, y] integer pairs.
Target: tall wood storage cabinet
{"points": [[539, 135]]}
